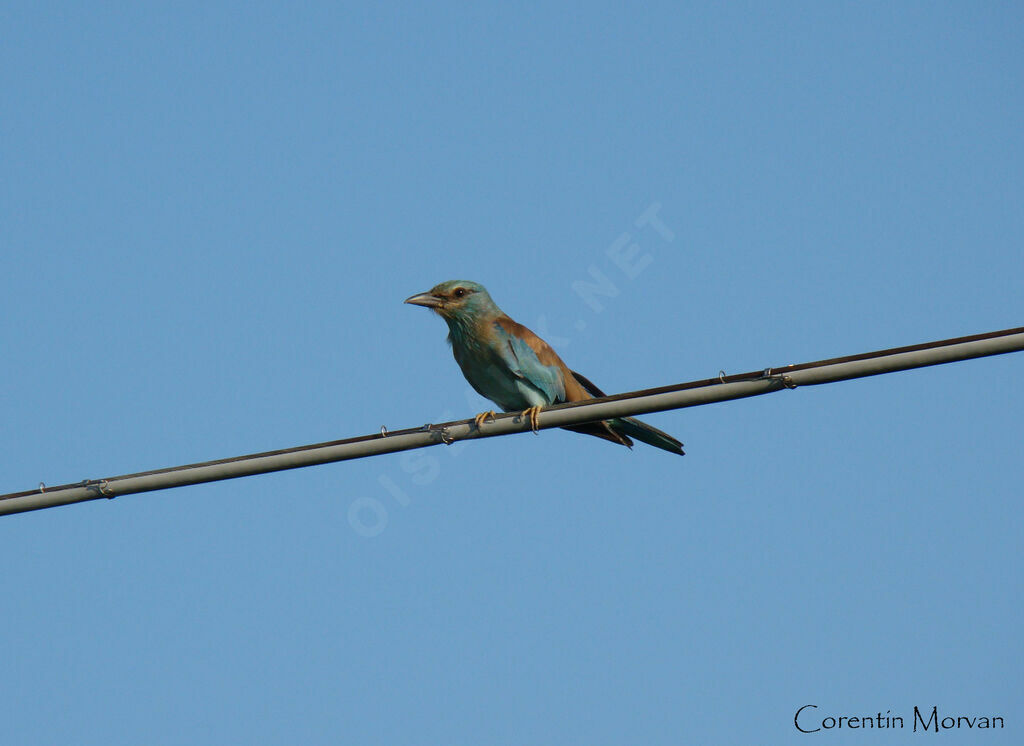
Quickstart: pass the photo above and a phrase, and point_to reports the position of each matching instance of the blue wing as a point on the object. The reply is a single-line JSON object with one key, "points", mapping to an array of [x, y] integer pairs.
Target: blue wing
{"points": [[524, 362]]}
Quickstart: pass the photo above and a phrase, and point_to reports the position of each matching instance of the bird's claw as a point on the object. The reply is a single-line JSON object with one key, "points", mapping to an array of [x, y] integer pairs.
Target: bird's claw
{"points": [[533, 413], [483, 417]]}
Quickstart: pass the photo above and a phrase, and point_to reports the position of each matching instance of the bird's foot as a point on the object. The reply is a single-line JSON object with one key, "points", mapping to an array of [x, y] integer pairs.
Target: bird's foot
{"points": [[533, 413], [483, 417]]}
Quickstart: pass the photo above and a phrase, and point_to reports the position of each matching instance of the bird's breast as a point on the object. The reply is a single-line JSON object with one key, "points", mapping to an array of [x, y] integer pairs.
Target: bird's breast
{"points": [[490, 376]]}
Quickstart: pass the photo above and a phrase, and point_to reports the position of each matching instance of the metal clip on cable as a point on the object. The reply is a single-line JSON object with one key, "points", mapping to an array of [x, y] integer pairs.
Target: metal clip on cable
{"points": [[99, 486], [786, 380], [441, 430]]}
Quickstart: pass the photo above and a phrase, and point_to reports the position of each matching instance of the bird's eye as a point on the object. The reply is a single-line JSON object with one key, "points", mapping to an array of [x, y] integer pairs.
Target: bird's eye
{"points": [[459, 292]]}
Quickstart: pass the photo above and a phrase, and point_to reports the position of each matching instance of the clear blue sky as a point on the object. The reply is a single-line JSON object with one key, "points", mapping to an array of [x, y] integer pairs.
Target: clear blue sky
{"points": [[210, 216]]}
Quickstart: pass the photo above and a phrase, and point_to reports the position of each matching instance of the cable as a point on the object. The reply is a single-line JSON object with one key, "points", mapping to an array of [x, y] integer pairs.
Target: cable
{"points": [[678, 396]]}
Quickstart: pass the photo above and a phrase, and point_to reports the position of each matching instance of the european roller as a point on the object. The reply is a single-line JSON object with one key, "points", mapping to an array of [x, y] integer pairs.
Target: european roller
{"points": [[517, 370]]}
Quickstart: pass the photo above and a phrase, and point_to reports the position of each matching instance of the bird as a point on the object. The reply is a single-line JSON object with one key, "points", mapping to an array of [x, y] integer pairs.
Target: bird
{"points": [[510, 365]]}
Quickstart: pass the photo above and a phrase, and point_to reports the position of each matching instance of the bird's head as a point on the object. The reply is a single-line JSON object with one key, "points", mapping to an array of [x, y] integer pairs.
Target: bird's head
{"points": [[456, 300]]}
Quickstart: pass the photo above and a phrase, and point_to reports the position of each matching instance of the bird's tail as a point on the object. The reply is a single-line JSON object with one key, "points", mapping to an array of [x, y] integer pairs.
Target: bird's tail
{"points": [[634, 428]]}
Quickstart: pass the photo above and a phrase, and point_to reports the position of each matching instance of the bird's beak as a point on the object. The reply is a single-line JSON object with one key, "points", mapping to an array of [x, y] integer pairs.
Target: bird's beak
{"points": [[424, 299]]}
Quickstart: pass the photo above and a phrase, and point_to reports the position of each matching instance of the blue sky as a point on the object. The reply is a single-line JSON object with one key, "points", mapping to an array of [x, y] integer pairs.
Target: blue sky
{"points": [[210, 216]]}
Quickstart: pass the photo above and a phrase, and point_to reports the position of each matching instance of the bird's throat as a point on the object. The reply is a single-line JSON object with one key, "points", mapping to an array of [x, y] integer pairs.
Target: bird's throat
{"points": [[465, 331]]}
